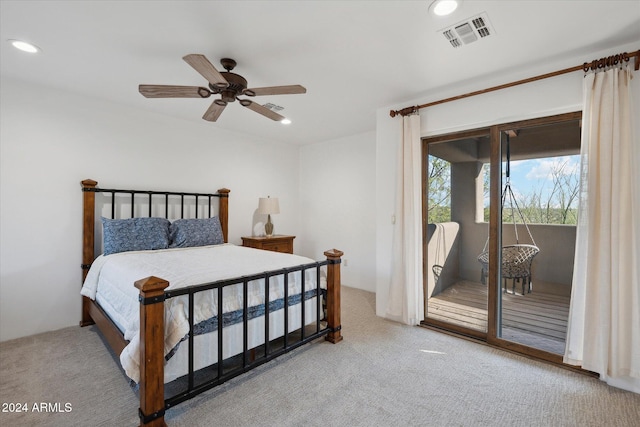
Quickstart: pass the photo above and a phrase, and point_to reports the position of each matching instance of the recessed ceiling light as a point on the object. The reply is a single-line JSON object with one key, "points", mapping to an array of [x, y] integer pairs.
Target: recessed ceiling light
{"points": [[24, 46], [285, 121], [444, 7]]}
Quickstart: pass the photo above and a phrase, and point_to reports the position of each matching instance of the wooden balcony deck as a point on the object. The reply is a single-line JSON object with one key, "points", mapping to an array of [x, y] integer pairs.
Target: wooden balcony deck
{"points": [[537, 319]]}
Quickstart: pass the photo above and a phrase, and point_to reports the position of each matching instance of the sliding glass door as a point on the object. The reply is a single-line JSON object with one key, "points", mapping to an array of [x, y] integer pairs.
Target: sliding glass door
{"points": [[499, 237], [456, 198], [539, 184]]}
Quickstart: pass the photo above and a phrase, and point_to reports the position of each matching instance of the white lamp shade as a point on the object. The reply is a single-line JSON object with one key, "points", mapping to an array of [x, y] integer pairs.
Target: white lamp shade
{"points": [[268, 205]]}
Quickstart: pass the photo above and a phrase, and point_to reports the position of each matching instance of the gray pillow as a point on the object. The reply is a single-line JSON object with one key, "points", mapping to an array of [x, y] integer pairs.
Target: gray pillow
{"points": [[134, 234], [186, 233]]}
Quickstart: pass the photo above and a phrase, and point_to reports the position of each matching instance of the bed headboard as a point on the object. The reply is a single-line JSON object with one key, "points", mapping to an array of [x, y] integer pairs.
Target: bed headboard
{"points": [[140, 203]]}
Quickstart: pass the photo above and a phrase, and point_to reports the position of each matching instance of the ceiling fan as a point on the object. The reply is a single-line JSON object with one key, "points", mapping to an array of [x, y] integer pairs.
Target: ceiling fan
{"points": [[226, 84]]}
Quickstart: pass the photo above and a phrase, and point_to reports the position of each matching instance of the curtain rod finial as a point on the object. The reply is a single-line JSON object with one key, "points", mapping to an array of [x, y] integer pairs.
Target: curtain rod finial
{"points": [[405, 111]]}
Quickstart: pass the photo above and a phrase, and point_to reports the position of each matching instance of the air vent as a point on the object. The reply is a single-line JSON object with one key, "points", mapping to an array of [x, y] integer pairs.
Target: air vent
{"points": [[273, 107], [468, 31]]}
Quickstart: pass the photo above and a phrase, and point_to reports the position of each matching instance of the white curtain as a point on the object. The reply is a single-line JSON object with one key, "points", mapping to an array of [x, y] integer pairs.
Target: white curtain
{"points": [[406, 301], [604, 318]]}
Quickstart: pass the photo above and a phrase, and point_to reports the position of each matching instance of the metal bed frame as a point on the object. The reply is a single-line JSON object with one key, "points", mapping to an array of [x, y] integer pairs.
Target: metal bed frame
{"points": [[153, 402]]}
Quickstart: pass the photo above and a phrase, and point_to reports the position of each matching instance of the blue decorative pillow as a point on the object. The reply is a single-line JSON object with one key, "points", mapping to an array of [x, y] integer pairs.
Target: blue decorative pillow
{"points": [[134, 234], [186, 233]]}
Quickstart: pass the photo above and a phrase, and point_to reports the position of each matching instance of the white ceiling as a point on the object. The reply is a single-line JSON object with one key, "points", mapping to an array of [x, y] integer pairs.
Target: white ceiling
{"points": [[352, 56]]}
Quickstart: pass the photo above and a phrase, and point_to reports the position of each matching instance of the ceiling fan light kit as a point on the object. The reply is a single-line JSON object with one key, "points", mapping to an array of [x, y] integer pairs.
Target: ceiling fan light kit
{"points": [[226, 84]]}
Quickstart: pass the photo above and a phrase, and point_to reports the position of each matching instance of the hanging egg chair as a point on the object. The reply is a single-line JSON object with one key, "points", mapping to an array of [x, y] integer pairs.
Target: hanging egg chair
{"points": [[516, 258]]}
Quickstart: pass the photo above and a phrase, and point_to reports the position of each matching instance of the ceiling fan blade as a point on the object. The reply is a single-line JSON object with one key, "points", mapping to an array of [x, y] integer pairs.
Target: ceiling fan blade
{"points": [[206, 69], [168, 91], [275, 90], [261, 110], [214, 110]]}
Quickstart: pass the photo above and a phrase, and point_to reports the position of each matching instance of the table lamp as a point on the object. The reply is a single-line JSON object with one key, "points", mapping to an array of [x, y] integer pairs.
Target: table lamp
{"points": [[268, 206]]}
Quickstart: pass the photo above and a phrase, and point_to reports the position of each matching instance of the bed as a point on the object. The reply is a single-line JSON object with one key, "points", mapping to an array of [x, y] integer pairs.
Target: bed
{"points": [[184, 309]]}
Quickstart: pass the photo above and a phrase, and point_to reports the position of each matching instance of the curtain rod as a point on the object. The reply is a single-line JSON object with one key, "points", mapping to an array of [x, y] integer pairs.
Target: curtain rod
{"points": [[593, 65]]}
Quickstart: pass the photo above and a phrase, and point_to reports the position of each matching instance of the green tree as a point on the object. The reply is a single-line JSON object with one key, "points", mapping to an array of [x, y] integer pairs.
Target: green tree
{"points": [[439, 190]]}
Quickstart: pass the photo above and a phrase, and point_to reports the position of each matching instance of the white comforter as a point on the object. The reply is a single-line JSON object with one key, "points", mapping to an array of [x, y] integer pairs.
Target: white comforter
{"points": [[111, 279]]}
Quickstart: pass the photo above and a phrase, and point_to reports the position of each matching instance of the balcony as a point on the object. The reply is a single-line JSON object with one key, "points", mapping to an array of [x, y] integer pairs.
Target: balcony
{"points": [[455, 291]]}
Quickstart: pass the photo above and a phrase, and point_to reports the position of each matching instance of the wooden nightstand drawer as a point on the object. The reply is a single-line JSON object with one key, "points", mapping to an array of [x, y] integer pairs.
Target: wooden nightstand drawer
{"points": [[276, 243], [278, 247]]}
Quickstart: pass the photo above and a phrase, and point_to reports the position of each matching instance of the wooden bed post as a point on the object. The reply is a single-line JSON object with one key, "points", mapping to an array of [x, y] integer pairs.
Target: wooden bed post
{"points": [[223, 212], [333, 295], [152, 351], [88, 219]]}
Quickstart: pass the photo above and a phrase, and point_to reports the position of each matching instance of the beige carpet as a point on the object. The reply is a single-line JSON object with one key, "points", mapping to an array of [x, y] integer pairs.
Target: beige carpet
{"points": [[382, 374]]}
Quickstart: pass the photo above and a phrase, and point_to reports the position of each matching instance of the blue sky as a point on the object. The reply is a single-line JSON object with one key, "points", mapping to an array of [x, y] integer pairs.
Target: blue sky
{"points": [[534, 174]]}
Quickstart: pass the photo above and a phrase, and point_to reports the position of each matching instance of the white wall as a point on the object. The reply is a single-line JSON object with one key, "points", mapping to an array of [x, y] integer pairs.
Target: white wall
{"points": [[51, 140], [337, 204], [547, 97]]}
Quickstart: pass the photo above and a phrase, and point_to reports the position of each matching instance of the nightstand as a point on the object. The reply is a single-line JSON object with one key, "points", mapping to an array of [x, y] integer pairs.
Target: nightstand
{"points": [[276, 243]]}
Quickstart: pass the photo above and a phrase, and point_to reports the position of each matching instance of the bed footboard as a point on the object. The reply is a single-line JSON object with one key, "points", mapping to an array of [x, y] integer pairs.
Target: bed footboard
{"points": [[152, 297]]}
